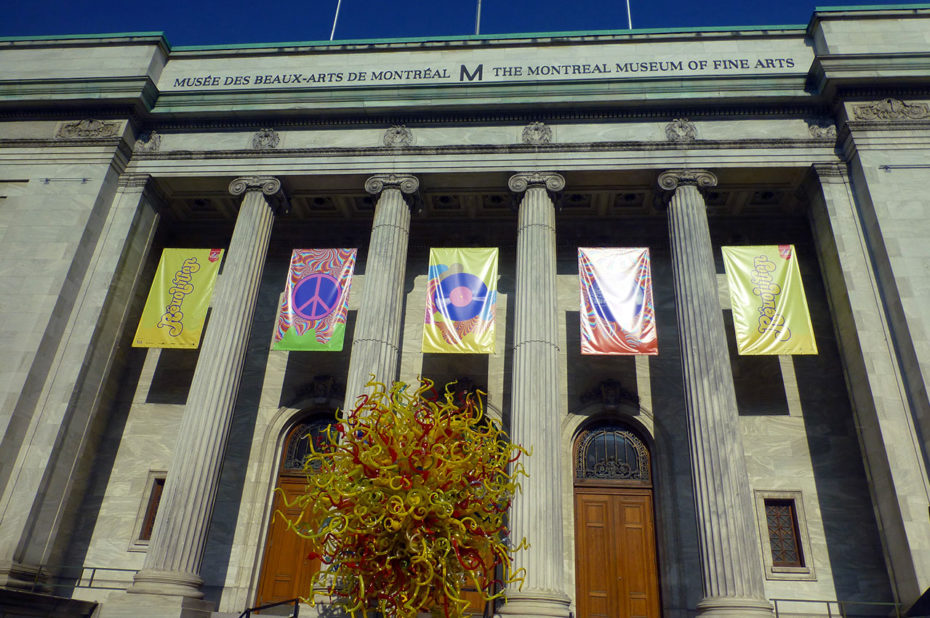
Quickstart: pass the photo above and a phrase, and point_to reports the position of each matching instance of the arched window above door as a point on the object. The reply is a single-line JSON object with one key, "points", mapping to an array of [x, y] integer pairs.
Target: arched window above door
{"points": [[297, 447], [611, 453]]}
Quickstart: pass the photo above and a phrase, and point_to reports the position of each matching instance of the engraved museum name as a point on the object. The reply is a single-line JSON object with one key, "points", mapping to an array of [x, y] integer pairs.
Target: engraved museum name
{"points": [[486, 72]]}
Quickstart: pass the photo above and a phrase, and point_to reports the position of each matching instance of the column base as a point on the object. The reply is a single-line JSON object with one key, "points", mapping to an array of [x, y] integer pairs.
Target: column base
{"points": [[21, 576], [167, 583], [535, 604], [140, 605], [730, 607]]}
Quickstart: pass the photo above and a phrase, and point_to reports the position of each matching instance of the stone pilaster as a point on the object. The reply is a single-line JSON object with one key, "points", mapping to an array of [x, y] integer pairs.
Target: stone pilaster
{"points": [[47, 448], [376, 344], [172, 564], [730, 561], [535, 412]]}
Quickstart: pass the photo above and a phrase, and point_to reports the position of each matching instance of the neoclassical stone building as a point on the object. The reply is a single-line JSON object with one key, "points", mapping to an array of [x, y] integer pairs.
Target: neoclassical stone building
{"points": [[139, 482]]}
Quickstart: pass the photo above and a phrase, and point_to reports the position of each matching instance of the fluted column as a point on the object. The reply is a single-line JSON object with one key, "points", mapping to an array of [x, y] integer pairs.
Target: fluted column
{"points": [[376, 344], [536, 512], [731, 565], [172, 564]]}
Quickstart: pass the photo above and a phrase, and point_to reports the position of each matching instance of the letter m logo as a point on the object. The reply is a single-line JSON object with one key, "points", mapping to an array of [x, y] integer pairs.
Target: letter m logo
{"points": [[478, 73]]}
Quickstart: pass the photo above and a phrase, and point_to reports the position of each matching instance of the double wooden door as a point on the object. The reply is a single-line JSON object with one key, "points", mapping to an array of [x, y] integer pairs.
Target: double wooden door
{"points": [[615, 553]]}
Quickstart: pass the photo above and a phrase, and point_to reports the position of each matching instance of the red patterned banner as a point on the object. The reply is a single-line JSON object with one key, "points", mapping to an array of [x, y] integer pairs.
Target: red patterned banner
{"points": [[617, 311]]}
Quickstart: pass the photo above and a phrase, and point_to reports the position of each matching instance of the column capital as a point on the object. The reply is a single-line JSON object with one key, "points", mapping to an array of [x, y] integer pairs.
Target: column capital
{"points": [[405, 183], [133, 181], [830, 172], [269, 185], [672, 179], [522, 181]]}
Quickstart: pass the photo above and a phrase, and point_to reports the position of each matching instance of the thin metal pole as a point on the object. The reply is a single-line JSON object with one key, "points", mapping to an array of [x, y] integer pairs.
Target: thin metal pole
{"points": [[336, 18], [478, 19], [629, 19]]}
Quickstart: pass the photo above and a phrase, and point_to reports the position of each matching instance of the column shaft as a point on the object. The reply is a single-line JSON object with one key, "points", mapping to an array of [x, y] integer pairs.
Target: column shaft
{"points": [[535, 411], [730, 558], [172, 565], [376, 343]]}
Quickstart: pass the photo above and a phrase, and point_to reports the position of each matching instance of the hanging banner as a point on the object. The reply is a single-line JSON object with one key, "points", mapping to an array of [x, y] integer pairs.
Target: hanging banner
{"points": [[316, 300], [179, 298], [617, 311], [770, 313], [460, 301]]}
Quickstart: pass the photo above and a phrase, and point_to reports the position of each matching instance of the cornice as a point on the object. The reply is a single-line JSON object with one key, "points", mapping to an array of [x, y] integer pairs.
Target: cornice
{"points": [[412, 120], [108, 142], [493, 41], [841, 13], [93, 40], [831, 74], [749, 144]]}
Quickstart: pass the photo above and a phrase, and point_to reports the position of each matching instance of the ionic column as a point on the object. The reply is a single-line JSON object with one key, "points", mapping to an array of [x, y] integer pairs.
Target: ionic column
{"points": [[536, 512], [172, 564], [730, 561], [376, 344]]}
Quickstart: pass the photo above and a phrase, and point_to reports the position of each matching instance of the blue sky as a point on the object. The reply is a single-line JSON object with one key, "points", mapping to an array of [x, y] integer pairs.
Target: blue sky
{"points": [[215, 22]]}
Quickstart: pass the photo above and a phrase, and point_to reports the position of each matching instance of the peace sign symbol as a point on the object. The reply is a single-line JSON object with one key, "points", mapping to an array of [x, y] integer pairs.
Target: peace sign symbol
{"points": [[315, 296]]}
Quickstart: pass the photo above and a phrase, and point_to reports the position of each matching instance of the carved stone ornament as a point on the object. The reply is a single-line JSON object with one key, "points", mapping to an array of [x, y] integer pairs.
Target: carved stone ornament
{"points": [[269, 185], [320, 388], [672, 179], [87, 129], [822, 128], [551, 181], [266, 139], [398, 136], [891, 109], [148, 142], [405, 183], [680, 130], [536, 133], [610, 393]]}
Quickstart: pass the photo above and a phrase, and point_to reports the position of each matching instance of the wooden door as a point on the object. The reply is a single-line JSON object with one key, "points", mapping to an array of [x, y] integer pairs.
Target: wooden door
{"points": [[615, 554], [287, 573]]}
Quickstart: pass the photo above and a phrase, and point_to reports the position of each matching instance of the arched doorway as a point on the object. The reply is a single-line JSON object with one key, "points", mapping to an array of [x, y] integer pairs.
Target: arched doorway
{"points": [[286, 571], [616, 574]]}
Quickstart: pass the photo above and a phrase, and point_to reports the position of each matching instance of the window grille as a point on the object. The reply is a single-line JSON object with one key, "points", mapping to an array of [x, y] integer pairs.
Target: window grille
{"points": [[782, 521], [298, 443], [612, 453]]}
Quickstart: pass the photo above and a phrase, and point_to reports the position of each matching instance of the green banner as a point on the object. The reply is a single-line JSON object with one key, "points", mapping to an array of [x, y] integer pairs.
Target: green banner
{"points": [[770, 314], [178, 300]]}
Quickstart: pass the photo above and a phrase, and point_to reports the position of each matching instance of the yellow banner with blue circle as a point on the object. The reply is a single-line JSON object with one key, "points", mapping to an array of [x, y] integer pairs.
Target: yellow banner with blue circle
{"points": [[461, 300]]}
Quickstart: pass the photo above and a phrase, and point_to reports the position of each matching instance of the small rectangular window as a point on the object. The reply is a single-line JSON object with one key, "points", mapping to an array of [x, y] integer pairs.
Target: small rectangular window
{"points": [[154, 499], [148, 510], [782, 521], [786, 545]]}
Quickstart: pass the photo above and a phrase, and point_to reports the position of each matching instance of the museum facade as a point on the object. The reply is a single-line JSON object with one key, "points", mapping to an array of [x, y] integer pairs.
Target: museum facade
{"points": [[697, 481]]}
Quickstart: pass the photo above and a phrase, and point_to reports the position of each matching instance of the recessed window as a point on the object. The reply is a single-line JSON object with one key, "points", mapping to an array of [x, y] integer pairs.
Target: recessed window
{"points": [[786, 546], [154, 500], [148, 511], [781, 519]]}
